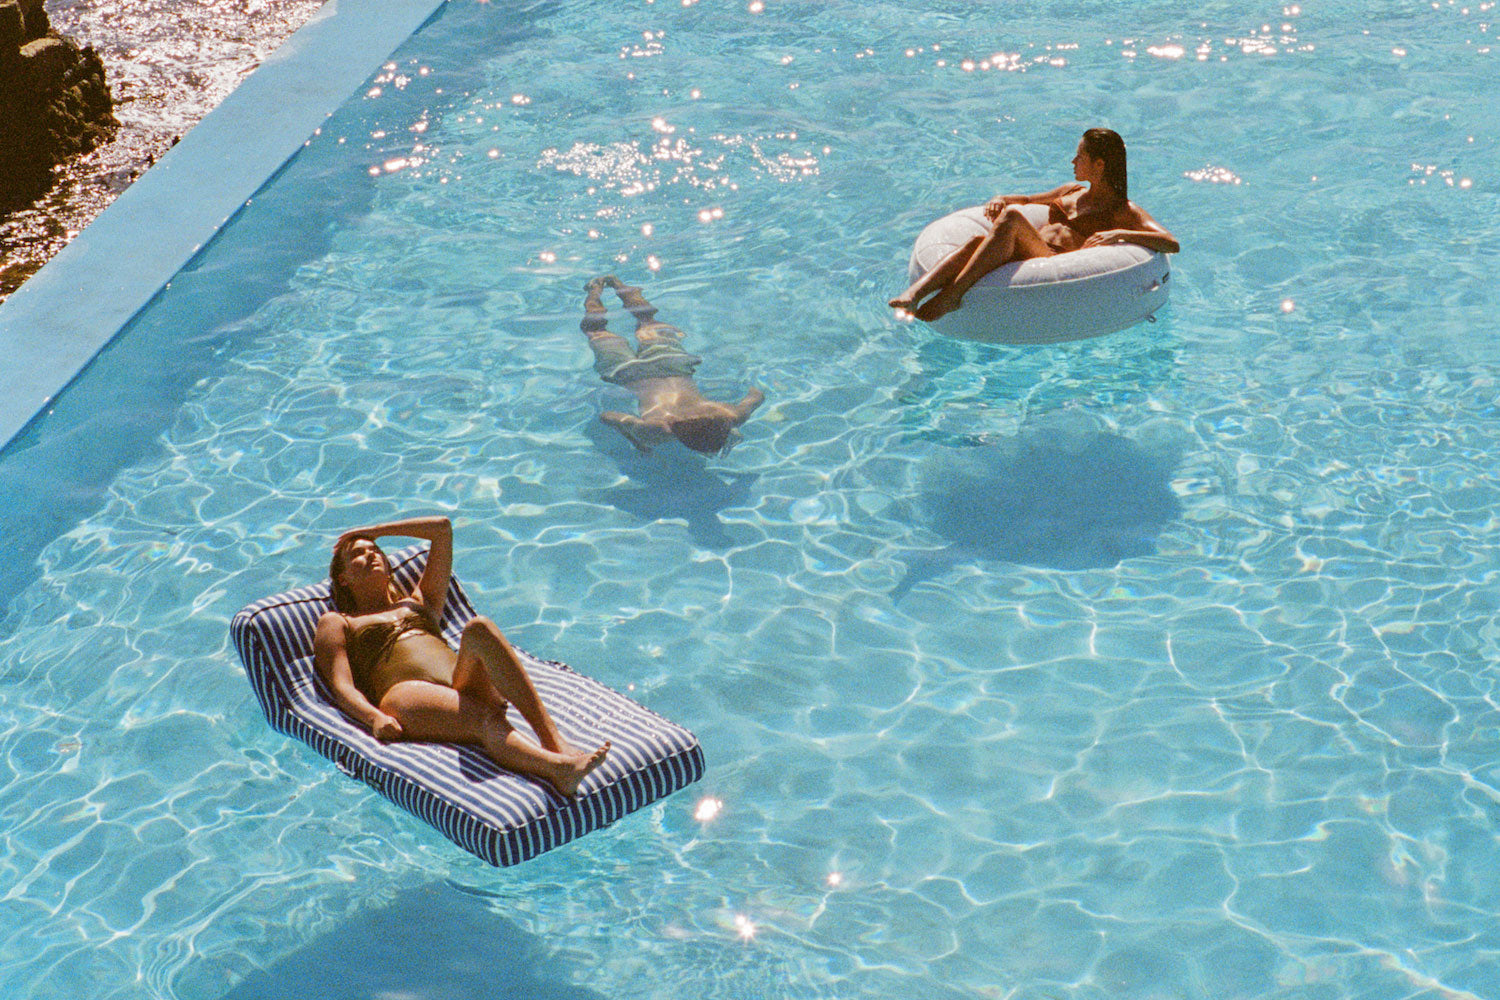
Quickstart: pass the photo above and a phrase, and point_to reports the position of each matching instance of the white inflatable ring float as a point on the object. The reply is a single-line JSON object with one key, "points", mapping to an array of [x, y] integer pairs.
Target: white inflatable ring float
{"points": [[1085, 293]]}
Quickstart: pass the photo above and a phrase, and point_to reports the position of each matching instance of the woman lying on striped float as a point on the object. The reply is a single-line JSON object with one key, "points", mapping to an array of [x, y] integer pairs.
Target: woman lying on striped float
{"points": [[383, 656]]}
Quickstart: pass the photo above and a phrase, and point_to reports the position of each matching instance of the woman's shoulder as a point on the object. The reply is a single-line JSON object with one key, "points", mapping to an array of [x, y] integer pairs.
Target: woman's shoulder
{"points": [[332, 619], [331, 633]]}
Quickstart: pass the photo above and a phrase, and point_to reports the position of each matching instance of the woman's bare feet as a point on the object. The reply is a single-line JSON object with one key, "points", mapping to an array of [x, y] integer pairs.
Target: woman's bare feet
{"points": [[905, 301], [573, 768], [938, 306]]}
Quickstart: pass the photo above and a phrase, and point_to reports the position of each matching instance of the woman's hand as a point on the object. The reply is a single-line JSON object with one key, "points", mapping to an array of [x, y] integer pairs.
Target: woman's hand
{"points": [[385, 728], [1105, 237], [996, 205], [428, 528]]}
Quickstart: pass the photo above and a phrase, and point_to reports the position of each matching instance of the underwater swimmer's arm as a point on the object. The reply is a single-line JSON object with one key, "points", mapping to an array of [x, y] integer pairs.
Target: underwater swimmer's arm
{"points": [[747, 406], [633, 428]]}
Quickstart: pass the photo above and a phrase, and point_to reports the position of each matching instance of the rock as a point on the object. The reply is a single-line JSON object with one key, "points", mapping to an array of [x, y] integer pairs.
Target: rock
{"points": [[54, 102], [44, 62], [35, 17], [12, 27]]}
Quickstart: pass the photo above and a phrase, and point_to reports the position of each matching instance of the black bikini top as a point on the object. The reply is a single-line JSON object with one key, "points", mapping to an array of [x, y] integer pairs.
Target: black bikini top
{"points": [[1084, 224]]}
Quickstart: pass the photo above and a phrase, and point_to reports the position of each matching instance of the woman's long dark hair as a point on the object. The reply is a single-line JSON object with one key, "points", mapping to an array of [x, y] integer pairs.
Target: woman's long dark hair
{"points": [[1105, 144], [343, 598]]}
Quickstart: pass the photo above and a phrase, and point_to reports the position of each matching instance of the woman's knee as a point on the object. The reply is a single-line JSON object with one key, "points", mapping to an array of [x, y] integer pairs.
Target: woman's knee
{"points": [[485, 631], [482, 628], [1010, 217]]}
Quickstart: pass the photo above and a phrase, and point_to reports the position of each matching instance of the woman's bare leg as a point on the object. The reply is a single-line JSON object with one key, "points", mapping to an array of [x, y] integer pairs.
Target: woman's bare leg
{"points": [[594, 313], [948, 269], [1013, 238], [632, 299], [610, 349], [440, 714], [486, 659]]}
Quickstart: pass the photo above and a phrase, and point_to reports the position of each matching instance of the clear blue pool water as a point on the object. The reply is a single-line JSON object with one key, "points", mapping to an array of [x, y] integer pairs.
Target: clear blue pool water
{"points": [[1161, 665]]}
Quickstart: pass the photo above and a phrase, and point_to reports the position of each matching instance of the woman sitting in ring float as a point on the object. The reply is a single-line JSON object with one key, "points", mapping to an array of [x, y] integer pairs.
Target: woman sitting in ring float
{"points": [[383, 655], [1095, 212]]}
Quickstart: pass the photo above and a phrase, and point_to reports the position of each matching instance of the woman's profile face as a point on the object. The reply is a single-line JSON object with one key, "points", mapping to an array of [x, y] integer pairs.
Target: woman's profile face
{"points": [[1085, 167]]}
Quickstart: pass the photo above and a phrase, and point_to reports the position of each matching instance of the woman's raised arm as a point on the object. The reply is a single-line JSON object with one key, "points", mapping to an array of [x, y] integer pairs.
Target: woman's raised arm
{"points": [[432, 588], [999, 203]]}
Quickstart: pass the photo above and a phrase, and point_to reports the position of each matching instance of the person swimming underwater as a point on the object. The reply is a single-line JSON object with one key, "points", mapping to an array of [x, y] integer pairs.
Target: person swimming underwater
{"points": [[660, 373]]}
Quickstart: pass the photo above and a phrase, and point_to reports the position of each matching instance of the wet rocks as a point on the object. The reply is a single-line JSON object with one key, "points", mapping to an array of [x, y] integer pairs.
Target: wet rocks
{"points": [[54, 102]]}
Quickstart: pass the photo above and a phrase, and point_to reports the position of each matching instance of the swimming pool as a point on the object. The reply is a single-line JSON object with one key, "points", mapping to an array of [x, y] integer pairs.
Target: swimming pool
{"points": [[1157, 665]]}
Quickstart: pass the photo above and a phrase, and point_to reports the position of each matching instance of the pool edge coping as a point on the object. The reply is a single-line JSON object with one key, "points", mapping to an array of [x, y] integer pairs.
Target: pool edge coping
{"points": [[109, 272]]}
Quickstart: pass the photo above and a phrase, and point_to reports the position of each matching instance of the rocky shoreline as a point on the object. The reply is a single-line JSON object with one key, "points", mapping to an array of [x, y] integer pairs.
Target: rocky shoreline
{"points": [[167, 63], [53, 102]]}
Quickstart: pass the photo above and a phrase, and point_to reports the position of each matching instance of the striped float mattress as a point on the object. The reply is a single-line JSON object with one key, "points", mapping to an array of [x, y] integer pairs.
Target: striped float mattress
{"points": [[497, 815]]}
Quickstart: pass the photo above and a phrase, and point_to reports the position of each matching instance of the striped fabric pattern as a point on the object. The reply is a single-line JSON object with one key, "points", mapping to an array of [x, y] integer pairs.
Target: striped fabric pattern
{"points": [[495, 814]]}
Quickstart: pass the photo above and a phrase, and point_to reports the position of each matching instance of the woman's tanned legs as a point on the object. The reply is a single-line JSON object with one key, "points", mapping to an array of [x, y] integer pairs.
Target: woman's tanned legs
{"points": [[1012, 238], [440, 714], [487, 677], [485, 658], [948, 269]]}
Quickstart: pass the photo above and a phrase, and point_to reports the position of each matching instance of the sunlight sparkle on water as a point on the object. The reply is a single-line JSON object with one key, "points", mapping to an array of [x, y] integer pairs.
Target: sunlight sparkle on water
{"points": [[1213, 175], [744, 927], [707, 808]]}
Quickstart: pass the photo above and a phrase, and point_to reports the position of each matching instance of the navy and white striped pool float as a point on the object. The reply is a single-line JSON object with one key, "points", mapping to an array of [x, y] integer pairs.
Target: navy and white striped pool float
{"points": [[495, 814]]}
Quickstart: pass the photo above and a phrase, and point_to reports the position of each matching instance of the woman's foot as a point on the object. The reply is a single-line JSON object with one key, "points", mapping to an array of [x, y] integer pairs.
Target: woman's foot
{"points": [[938, 306], [573, 768], [906, 301]]}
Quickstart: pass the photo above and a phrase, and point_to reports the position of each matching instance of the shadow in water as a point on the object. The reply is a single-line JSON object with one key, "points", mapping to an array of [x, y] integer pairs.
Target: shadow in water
{"points": [[435, 942], [672, 483], [1064, 494]]}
